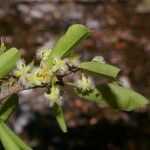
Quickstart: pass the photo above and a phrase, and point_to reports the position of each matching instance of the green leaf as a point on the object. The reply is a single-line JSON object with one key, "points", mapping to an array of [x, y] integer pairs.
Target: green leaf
{"points": [[8, 107], [21, 144], [103, 69], [60, 117], [8, 61], [112, 95], [74, 35], [6, 140]]}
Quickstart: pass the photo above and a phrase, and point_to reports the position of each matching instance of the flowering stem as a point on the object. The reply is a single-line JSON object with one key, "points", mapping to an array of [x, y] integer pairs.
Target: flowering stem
{"points": [[15, 89], [18, 87]]}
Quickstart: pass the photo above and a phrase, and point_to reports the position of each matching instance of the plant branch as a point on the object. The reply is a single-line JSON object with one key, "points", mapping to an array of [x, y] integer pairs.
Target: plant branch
{"points": [[17, 87], [14, 89]]}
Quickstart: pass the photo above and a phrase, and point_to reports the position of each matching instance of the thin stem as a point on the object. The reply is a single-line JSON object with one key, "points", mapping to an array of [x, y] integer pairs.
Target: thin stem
{"points": [[3, 85], [17, 88], [14, 89]]}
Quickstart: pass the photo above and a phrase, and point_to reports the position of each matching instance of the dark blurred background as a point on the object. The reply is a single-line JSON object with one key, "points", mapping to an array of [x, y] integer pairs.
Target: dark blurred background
{"points": [[121, 33]]}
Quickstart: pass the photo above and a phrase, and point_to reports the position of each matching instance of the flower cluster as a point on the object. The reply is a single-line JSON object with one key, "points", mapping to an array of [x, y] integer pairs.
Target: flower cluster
{"points": [[32, 75]]}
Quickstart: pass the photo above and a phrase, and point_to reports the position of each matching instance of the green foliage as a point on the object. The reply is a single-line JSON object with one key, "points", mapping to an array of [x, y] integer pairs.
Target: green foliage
{"points": [[115, 96], [8, 107], [14, 138], [103, 69], [9, 139], [8, 61], [6, 140], [60, 117], [74, 35]]}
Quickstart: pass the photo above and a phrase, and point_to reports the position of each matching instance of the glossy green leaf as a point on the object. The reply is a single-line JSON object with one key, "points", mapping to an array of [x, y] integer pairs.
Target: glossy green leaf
{"points": [[115, 96], [6, 140], [74, 35], [60, 117], [21, 144], [8, 61], [8, 107], [103, 69]]}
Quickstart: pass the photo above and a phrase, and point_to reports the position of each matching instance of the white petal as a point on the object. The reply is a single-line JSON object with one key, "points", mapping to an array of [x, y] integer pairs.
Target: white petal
{"points": [[20, 63]]}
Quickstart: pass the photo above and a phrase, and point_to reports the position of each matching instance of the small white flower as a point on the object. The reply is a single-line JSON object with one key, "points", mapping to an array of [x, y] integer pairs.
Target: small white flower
{"points": [[74, 60], [46, 73], [23, 80], [99, 59], [85, 84], [43, 54], [54, 96], [60, 65], [38, 76], [34, 78], [22, 68]]}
